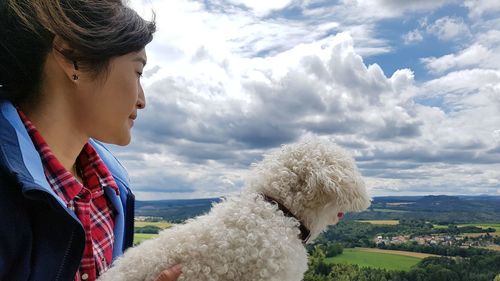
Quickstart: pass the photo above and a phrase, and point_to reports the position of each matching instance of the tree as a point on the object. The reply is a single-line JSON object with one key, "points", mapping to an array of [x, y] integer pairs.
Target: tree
{"points": [[444, 275], [147, 229], [317, 263], [333, 249]]}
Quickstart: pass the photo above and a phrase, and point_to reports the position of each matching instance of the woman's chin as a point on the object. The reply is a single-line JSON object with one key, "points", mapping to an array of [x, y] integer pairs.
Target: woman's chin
{"points": [[125, 140], [122, 140]]}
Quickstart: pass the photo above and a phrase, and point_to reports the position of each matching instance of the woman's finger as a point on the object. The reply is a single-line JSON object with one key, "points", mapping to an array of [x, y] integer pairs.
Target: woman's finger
{"points": [[170, 274]]}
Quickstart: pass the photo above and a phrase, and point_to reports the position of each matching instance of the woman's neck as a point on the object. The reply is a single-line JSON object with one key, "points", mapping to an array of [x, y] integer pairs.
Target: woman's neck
{"points": [[59, 128]]}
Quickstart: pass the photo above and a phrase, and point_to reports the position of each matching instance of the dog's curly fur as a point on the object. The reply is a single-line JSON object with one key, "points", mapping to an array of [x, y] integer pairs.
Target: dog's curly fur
{"points": [[247, 238]]}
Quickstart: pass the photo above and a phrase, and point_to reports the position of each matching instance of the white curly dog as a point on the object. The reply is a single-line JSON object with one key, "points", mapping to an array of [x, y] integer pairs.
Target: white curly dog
{"points": [[289, 199]]}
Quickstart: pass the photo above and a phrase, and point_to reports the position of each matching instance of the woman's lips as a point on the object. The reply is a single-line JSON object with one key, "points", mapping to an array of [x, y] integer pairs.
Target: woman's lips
{"points": [[132, 119]]}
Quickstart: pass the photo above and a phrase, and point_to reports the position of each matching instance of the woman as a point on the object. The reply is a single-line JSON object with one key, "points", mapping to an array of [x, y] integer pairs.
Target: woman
{"points": [[70, 79]]}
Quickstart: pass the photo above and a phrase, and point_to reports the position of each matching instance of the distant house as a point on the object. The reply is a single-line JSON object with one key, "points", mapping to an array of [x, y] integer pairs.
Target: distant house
{"points": [[146, 218]]}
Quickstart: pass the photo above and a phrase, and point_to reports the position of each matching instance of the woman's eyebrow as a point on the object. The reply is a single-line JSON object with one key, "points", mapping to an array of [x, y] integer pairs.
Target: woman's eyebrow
{"points": [[141, 59]]}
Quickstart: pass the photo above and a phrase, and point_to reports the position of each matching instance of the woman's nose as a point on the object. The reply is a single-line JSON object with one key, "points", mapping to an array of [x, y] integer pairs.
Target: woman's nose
{"points": [[141, 101]]}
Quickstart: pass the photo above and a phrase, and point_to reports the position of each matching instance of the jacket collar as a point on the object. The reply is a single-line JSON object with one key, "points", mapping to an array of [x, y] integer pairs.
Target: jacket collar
{"points": [[19, 157]]}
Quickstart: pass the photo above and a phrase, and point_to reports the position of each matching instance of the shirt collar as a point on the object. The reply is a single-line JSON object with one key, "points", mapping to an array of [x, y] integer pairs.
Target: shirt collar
{"points": [[60, 179]]}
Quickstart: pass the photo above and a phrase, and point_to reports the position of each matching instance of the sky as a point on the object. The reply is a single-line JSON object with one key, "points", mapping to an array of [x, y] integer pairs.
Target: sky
{"points": [[410, 88]]}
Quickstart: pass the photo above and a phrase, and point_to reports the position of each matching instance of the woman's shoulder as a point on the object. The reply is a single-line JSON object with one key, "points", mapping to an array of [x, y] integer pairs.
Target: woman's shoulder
{"points": [[14, 209]]}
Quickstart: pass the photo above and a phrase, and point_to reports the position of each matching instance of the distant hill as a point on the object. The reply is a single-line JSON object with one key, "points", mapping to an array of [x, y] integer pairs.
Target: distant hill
{"points": [[174, 210], [440, 208]]}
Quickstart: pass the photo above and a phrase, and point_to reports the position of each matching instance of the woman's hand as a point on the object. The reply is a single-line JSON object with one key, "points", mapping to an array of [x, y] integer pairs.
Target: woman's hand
{"points": [[170, 274]]}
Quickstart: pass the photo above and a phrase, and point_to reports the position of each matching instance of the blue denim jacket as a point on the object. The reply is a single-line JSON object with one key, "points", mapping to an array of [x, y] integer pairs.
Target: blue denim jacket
{"points": [[40, 238]]}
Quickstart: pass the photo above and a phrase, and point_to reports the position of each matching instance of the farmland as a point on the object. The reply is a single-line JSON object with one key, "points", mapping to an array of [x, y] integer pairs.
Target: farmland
{"points": [[381, 222], [390, 260], [482, 225], [399, 253], [485, 226], [140, 237], [390, 241], [160, 224]]}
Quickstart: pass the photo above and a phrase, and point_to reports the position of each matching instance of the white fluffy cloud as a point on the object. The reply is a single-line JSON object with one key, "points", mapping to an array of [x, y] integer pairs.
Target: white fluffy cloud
{"points": [[449, 28], [479, 7], [479, 44], [230, 85], [263, 8], [366, 11], [472, 56], [412, 37], [306, 89]]}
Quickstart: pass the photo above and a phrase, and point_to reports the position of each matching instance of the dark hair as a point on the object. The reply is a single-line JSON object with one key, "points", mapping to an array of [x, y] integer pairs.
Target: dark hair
{"points": [[96, 30]]}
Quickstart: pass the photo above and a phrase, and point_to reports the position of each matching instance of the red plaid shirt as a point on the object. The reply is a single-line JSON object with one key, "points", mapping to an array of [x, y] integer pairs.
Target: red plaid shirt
{"points": [[88, 201]]}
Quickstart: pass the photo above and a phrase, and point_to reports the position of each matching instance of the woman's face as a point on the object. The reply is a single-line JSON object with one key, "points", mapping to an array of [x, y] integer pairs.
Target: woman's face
{"points": [[115, 99]]}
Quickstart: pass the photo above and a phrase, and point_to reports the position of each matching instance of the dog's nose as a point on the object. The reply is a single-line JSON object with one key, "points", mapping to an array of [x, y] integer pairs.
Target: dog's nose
{"points": [[340, 215]]}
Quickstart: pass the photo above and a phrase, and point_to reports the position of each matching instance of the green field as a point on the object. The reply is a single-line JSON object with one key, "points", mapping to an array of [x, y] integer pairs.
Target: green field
{"points": [[439, 226], [483, 225], [381, 222], [376, 260], [139, 237], [496, 226], [160, 224]]}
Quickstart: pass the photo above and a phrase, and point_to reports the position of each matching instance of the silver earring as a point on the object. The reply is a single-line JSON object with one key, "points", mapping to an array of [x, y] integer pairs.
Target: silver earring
{"points": [[75, 77]]}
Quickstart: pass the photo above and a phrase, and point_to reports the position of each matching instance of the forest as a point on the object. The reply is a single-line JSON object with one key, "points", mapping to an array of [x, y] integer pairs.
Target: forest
{"points": [[454, 264]]}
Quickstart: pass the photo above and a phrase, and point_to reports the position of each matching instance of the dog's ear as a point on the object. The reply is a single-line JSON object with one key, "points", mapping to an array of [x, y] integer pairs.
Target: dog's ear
{"points": [[331, 176], [322, 186], [340, 184]]}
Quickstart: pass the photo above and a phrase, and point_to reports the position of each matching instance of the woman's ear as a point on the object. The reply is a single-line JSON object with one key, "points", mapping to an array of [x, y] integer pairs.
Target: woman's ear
{"points": [[61, 52]]}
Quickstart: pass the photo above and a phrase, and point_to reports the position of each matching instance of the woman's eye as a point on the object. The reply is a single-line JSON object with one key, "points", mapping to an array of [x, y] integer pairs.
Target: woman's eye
{"points": [[139, 73]]}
